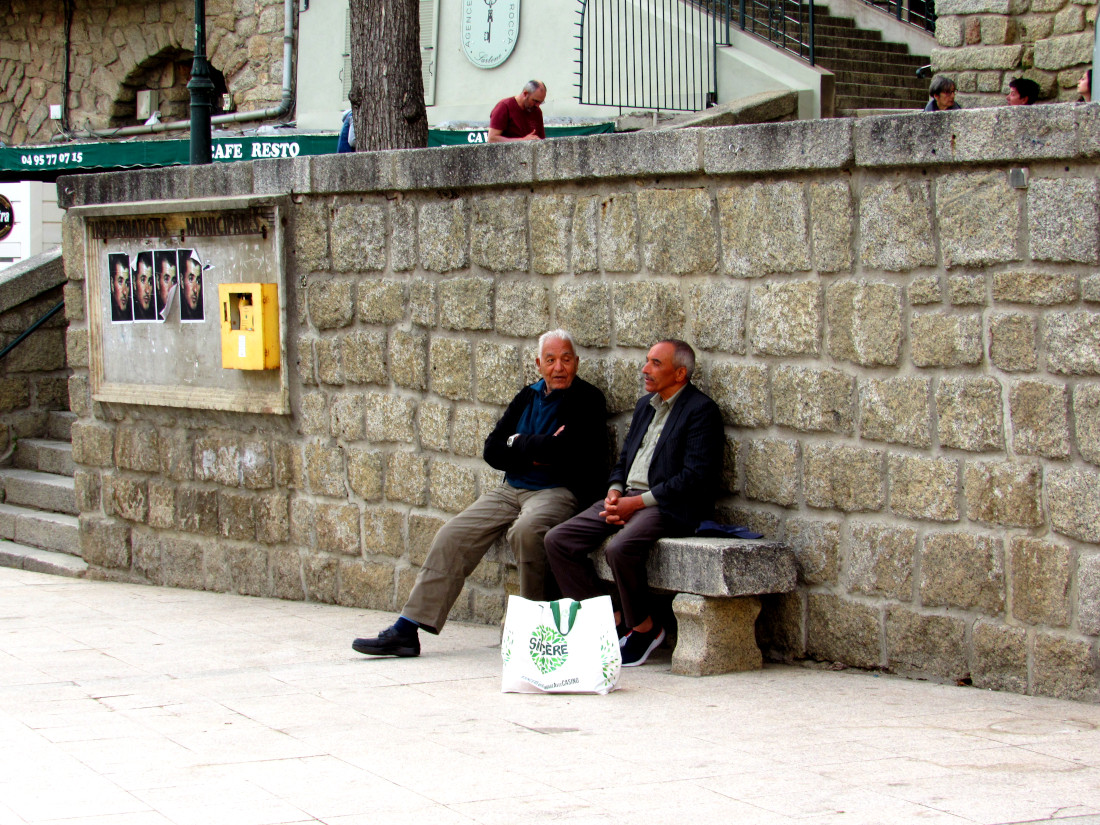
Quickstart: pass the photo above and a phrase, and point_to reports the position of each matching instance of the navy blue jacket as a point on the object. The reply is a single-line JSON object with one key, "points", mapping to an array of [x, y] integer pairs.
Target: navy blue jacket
{"points": [[578, 457], [685, 475]]}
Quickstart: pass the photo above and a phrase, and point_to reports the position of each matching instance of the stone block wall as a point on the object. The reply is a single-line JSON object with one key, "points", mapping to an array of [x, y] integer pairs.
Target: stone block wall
{"points": [[987, 43], [899, 318], [33, 376], [117, 45]]}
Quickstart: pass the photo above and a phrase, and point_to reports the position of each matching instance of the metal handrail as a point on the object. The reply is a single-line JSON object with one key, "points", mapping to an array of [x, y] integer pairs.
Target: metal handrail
{"points": [[26, 333], [919, 13], [662, 54], [646, 54]]}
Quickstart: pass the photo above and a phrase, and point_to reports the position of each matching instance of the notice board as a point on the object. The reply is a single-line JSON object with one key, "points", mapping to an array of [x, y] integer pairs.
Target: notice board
{"points": [[152, 272]]}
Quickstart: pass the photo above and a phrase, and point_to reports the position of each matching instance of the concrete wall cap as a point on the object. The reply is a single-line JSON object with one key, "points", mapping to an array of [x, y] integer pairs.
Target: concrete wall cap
{"points": [[1001, 133], [798, 145], [30, 278]]}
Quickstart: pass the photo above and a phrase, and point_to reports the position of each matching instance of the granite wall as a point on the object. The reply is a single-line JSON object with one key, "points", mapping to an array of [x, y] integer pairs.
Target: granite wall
{"points": [[33, 376], [987, 43], [117, 47], [899, 317]]}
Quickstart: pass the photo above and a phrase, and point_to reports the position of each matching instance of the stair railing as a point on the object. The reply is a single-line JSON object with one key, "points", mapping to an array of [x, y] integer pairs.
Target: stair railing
{"points": [[646, 54], [26, 333], [788, 24], [919, 13], [662, 54]]}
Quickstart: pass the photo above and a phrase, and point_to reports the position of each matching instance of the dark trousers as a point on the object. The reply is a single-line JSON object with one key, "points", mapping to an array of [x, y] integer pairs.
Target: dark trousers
{"points": [[569, 544]]}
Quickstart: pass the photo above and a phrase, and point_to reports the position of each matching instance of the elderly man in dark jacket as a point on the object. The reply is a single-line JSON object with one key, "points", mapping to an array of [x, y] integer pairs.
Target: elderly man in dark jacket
{"points": [[551, 444], [665, 482]]}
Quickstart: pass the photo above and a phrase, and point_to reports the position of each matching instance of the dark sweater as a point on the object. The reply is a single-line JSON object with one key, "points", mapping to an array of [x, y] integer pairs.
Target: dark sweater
{"points": [[577, 458]]}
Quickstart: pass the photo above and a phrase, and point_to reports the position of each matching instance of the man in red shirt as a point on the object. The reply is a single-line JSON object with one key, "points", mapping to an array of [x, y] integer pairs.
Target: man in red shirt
{"points": [[519, 117]]}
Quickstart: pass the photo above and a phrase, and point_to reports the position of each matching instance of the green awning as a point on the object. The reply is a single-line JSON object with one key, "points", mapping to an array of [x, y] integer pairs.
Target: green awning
{"points": [[143, 154], [462, 137], [104, 155]]}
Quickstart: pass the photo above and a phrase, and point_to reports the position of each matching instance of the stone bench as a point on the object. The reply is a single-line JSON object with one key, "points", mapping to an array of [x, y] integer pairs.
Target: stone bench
{"points": [[717, 582]]}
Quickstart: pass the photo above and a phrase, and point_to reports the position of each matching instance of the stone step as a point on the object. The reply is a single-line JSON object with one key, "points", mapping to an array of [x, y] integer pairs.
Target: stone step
{"points": [[903, 81], [40, 561], [829, 32], [874, 92], [897, 60], [856, 103], [45, 455], [39, 528], [42, 491], [60, 425], [858, 39]]}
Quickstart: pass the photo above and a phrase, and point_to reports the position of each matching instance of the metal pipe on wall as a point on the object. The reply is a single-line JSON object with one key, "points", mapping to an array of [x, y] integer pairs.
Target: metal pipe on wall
{"points": [[285, 103]]}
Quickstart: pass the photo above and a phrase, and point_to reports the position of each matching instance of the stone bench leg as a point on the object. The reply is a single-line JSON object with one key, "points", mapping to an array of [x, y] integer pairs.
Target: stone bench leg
{"points": [[715, 635]]}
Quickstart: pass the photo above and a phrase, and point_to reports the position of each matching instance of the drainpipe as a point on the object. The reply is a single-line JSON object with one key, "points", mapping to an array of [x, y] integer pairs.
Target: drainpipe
{"points": [[285, 104]]}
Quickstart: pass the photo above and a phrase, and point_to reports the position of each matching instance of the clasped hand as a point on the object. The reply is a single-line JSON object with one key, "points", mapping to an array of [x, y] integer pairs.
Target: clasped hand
{"points": [[617, 509]]}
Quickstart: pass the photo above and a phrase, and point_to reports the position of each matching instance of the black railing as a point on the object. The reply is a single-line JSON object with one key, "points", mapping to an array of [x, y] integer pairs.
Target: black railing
{"points": [[787, 24], [920, 13], [661, 54], [26, 333], [646, 54]]}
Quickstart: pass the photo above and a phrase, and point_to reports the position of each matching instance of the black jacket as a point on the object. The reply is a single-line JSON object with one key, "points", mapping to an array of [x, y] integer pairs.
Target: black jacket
{"points": [[578, 457], [685, 475]]}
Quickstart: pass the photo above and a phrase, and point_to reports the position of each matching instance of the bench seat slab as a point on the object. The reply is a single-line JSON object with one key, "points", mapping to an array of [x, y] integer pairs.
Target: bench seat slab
{"points": [[716, 567]]}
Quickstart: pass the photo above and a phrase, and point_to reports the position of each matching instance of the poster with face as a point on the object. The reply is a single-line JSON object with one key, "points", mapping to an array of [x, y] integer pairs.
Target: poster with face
{"points": [[141, 284], [191, 269], [164, 260], [118, 287]]}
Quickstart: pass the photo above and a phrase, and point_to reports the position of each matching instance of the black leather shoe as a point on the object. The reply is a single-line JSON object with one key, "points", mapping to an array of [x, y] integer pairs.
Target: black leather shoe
{"points": [[389, 643]]}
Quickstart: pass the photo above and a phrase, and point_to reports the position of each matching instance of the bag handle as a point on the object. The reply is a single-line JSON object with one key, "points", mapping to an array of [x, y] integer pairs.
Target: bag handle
{"points": [[555, 608]]}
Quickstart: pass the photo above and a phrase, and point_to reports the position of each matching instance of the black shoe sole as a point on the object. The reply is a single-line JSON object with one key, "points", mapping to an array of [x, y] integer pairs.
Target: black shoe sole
{"points": [[370, 650]]}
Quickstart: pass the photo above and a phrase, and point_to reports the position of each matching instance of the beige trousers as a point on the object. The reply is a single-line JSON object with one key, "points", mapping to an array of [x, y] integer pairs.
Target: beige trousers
{"points": [[523, 515]]}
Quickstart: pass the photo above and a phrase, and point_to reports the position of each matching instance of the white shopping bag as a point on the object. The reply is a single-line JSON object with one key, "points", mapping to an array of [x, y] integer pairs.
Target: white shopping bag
{"points": [[560, 647]]}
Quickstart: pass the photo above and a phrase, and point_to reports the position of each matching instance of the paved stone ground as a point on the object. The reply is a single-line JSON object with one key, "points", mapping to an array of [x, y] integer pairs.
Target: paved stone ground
{"points": [[126, 705]]}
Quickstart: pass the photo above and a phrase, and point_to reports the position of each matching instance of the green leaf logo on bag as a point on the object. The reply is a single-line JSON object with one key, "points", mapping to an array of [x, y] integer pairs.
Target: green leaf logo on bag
{"points": [[548, 649]]}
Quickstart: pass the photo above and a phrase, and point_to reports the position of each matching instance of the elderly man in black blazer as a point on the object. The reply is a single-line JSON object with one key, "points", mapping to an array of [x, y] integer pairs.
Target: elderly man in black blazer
{"points": [[665, 482]]}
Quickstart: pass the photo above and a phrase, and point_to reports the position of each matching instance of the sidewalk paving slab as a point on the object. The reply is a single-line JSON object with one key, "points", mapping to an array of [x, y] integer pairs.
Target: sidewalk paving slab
{"points": [[130, 705]]}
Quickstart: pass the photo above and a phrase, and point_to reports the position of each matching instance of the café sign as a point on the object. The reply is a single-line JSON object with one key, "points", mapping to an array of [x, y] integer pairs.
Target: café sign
{"points": [[7, 217]]}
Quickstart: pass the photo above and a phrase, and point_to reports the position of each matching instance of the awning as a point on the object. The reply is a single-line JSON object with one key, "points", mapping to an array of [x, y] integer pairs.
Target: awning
{"points": [[144, 154], [47, 160], [462, 137]]}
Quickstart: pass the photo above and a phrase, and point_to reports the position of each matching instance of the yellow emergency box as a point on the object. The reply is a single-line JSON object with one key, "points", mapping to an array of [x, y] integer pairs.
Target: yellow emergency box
{"points": [[249, 315]]}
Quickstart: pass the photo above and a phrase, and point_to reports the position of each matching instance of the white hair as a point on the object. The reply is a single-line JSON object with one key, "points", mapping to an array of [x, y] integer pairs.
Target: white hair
{"points": [[559, 334]]}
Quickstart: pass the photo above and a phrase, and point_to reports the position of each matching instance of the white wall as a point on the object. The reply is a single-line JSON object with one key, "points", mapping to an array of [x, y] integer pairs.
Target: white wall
{"points": [[750, 65], [37, 221], [544, 50]]}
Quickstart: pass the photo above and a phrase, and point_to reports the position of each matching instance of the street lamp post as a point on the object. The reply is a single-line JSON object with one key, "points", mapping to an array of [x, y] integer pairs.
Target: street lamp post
{"points": [[202, 91]]}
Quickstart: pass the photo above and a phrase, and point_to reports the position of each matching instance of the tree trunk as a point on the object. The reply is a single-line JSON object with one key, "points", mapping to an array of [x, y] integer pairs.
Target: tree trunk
{"points": [[387, 88]]}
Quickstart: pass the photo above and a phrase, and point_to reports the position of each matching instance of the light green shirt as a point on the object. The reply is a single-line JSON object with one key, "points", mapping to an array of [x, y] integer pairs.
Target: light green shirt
{"points": [[638, 476]]}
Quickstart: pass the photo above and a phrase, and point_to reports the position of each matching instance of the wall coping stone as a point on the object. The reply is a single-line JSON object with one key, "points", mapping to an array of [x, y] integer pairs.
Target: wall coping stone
{"points": [[971, 136], [29, 278], [974, 136]]}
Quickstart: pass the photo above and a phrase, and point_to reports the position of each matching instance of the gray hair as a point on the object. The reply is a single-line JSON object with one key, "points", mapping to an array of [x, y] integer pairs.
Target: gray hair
{"points": [[559, 334], [682, 355], [532, 86], [940, 84]]}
